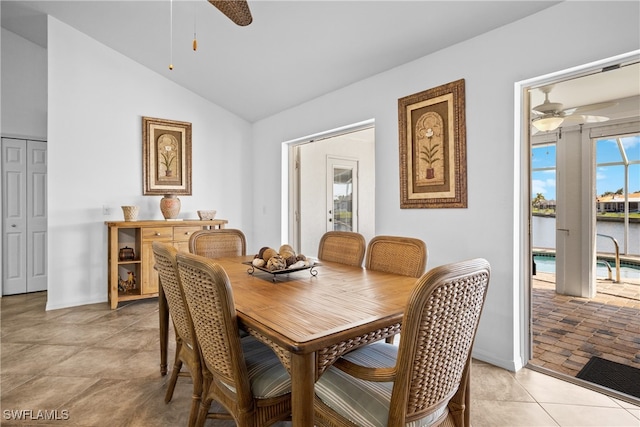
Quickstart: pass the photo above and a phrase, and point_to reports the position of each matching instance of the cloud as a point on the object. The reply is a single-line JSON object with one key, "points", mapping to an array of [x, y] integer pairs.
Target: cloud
{"points": [[545, 186], [630, 142]]}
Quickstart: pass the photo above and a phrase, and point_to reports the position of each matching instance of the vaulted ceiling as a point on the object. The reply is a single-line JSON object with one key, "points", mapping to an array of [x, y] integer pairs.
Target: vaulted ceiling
{"points": [[292, 52]]}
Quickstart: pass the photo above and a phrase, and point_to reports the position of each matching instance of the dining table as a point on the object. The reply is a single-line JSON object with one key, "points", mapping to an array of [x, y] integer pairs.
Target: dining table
{"points": [[310, 317]]}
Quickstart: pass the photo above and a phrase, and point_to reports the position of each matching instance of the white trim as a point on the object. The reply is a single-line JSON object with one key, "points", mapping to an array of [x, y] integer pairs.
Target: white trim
{"points": [[366, 124]]}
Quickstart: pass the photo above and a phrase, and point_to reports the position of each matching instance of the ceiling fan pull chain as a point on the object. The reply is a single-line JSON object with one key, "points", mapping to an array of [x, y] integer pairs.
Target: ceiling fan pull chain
{"points": [[171, 35], [195, 41]]}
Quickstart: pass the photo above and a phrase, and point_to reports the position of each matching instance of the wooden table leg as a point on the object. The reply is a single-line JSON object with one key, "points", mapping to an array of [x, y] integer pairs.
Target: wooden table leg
{"points": [[163, 314], [302, 382]]}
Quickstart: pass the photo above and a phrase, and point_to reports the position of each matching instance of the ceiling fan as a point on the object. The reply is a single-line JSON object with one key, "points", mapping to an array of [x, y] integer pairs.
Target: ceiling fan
{"points": [[236, 10], [549, 115]]}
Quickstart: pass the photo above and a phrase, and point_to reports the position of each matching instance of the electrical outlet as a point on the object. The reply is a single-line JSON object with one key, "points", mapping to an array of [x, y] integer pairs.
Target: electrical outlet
{"points": [[106, 210]]}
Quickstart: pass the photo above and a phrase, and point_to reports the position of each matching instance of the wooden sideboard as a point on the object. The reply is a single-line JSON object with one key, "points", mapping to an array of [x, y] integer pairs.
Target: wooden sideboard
{"points": [[135, 263]]}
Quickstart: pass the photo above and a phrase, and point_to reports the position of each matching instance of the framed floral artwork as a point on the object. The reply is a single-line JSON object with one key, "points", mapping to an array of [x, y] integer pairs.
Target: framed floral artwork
{"points": [[166, 154], [433, 159]]}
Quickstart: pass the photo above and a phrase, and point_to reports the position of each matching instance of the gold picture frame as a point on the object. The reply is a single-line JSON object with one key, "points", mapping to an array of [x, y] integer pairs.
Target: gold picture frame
{"points": [[433, 158], [166, 154]]}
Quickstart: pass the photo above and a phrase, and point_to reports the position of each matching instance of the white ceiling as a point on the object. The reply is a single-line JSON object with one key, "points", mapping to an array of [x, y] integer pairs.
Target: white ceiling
{"points": [[293, 51]]}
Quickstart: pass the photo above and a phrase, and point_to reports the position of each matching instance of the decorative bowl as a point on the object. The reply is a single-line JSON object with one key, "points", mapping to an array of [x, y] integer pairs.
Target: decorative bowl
{"points": [[207, 215]]}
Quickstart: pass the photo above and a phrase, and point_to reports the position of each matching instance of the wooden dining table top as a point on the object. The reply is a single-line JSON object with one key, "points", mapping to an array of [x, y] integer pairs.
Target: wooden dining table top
{"points": [[310, 320], [302, 311]]}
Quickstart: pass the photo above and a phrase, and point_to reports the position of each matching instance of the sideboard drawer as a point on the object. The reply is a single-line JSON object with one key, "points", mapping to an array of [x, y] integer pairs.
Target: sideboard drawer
{"points": [[158, 233], [182, 234]]}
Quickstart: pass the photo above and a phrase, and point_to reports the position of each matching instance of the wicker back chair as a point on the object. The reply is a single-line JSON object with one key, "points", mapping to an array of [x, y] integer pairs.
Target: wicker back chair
{"points": [[399, 255], [426, 378], [242, 374], [218, 243], [345, 247], [187, 350]]}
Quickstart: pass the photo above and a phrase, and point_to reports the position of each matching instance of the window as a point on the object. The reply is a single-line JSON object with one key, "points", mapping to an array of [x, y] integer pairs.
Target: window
{"points": [[543, 195], [618, 189]]}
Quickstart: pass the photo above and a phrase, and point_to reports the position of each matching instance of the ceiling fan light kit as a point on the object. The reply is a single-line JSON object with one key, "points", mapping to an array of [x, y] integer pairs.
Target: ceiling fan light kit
{"points": [[546, 124]]}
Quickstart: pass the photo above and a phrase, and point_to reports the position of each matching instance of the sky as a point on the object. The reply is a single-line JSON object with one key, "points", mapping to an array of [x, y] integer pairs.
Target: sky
{"points": [[609, 177]]}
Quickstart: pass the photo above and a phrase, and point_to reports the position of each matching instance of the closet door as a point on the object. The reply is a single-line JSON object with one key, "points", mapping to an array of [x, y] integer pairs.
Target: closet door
{"points": [[24, 211]]}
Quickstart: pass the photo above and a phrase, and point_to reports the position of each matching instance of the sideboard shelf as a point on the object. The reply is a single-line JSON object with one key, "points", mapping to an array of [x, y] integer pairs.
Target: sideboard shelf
{"points": [[139, 235]]}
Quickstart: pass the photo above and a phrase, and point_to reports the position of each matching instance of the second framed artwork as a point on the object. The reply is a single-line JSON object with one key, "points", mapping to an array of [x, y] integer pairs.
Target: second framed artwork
{"points": [[433, 158], [166, 154]]}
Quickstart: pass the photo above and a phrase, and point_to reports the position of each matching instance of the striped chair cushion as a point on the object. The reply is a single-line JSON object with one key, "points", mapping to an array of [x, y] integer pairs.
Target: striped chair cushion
{"points": [[267, 376], [365, 403]]}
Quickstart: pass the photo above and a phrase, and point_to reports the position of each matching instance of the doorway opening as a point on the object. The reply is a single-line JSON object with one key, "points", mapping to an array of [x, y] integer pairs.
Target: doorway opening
{"points": [[329, 182], [558, 188]]}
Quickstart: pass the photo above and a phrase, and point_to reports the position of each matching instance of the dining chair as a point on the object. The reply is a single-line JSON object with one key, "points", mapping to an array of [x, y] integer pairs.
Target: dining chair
{"points": [[345, 247], [425, 379], [242, 374], [218, 243], [187, 351], [406, 256]]}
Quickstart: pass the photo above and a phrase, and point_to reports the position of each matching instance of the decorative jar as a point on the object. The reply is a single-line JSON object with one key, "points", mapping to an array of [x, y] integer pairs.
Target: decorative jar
{"points": [[170, 206]]}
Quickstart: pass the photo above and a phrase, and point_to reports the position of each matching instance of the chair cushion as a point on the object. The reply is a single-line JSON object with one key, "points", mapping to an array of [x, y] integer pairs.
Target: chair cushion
{"points": [[267, 376], [365, 403]]}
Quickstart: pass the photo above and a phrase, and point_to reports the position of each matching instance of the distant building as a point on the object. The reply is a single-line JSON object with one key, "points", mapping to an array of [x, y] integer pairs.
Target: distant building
{"points": [[548, 205], [615, 203]]}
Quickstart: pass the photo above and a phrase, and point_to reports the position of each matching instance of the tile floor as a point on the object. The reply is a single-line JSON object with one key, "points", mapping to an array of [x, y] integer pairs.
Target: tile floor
{"points": [[99, 367]]}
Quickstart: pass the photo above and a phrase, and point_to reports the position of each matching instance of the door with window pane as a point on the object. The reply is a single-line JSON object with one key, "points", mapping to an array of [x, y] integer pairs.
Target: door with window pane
{"points": [[342, 194]]}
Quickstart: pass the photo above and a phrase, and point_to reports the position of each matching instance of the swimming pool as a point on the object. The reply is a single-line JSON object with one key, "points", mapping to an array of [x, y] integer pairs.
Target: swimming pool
{"points": [[546, 263]]}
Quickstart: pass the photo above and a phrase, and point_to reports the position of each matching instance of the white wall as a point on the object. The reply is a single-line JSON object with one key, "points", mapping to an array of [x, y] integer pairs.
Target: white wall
{"points": [[97, 98], [566, 35], [24, 87]]}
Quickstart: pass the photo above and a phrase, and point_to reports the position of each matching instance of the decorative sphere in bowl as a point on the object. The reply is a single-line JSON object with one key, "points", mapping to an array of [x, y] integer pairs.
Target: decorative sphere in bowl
{"points": [[206, 215]]}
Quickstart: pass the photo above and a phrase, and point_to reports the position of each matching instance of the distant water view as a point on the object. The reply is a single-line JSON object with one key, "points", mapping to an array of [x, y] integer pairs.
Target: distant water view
{"points": [[544, 235]]}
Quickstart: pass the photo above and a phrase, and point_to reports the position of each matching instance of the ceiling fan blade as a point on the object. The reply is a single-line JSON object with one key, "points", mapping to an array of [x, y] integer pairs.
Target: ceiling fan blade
{"points": [[582, 118], [236, 10], [589, 107]]}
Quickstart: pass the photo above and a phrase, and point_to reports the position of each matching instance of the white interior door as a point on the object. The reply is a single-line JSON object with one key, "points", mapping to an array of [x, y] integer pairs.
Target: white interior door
{"points": [[342, 194], [24, 201], [36, 216]]}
